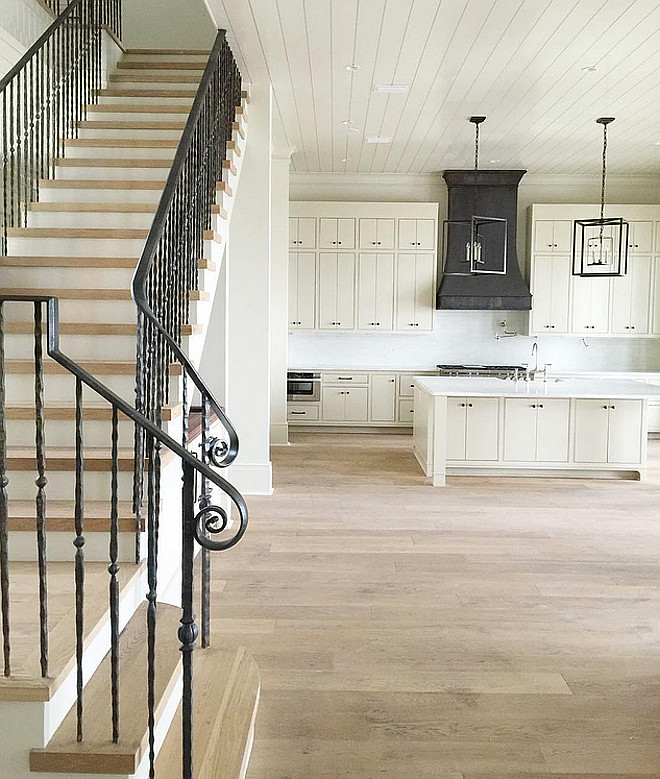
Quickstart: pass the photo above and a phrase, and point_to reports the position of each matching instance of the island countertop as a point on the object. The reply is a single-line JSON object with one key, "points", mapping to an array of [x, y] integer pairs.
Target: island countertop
{"points": [[552, 388]]}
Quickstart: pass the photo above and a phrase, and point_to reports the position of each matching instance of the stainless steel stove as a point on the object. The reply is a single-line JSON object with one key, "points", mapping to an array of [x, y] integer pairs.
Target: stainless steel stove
{"points": [[496, 371]]}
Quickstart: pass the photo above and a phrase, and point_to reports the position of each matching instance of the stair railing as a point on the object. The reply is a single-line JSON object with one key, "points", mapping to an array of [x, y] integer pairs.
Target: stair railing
{"points": [[197, 526], [44, 97], [168, 270]]}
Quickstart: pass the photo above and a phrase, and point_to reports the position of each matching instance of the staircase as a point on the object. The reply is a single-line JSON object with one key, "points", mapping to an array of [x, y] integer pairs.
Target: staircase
{"points": [[88, 690]]}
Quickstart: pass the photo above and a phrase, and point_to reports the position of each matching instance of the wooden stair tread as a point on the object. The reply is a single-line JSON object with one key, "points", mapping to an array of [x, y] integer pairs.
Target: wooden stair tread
{"points": [[129, 184], [113, 162], [222, 186], [105, 233], [229, 165], [60, 516], [187, 93], [132, 108], [26, 683], [93, 328], [121, 124], [60, 458], [194, 52], [62, 410], [151, 78], [101, 367], [96, 753], [161, 65], [94, 208], [123, 143], [18, 261], [227, 686], [72, 294]]}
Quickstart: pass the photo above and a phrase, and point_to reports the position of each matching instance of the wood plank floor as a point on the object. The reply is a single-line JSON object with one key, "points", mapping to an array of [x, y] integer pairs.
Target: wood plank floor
{"points": [[494, 628]]}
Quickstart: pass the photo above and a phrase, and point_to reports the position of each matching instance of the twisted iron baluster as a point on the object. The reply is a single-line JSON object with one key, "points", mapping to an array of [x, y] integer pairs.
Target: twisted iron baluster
{"points": [[204, 501], [113, 570], [4, 510], [41, 482], [152, 562], [79, 543]]}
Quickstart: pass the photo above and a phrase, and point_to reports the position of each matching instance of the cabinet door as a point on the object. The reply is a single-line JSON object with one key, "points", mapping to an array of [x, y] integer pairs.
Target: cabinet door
{"points": [[640, 237], [293, 232], [356, 404], [306, 291], [407, 234], [552, 427], [656, 292], [426, 234], [424, 291], [407, 411], [544, 238], [600, 305], [625, 431], [385, 233], [383, 397], [456, 428], [542, 294], [333, 401], [368, 233], [345, 291], [327, 291], [405, 290], [293, 291], [482, 428], [631, 298], [563, 236], [376, 292], [591, 430], [520, 415], [307, 232], [327, 233], [591, 305], [346, 233]]}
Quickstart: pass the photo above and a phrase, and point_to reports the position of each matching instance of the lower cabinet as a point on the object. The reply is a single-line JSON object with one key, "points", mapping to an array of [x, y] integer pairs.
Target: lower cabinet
{"points": [[536, 430], [343, 404], [472, 428], [607, 431], [303, 412], [383, 397]]}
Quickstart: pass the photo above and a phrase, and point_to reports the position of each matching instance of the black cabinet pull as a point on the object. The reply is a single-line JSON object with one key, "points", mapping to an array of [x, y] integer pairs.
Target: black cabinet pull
{"points": [[297, 412], [344, 378], [469, 405]]}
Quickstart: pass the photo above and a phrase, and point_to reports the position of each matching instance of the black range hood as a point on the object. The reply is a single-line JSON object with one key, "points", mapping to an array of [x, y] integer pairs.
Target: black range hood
{"points": [[488, 193]]}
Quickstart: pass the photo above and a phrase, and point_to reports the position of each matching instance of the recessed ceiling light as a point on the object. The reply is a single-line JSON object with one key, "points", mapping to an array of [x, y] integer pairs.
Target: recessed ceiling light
{"points": [[345, 159], [393, 89], [656, 143], [378, 139], [494, 161], [347, 122], [589, 69], [352, 68]]}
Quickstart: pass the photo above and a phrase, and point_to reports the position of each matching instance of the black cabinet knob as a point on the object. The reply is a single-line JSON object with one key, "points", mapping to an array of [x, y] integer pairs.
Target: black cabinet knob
{"points": [[469, 405]]}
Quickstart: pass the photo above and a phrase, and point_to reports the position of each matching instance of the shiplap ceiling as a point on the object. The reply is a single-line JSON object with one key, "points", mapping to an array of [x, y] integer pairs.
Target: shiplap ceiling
{"points": [[520, 62]]}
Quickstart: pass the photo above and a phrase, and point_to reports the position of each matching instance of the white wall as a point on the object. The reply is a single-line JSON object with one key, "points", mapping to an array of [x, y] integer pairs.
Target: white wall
{"points": [[468, 336], [21, 23], [158, 24]]}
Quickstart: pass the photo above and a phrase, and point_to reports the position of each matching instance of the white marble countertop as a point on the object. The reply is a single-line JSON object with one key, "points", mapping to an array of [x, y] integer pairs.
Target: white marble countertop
{"points": [[552, 388]]}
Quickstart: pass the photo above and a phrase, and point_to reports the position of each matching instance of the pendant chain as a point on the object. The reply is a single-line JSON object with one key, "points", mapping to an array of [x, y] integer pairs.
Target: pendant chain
{"points": [[602, 192]]}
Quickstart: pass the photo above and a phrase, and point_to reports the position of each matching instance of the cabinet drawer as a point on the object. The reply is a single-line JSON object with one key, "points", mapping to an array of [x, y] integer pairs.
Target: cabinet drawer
{"points": [[345, 378], [406, 385], [297, 412], [406, 411]]}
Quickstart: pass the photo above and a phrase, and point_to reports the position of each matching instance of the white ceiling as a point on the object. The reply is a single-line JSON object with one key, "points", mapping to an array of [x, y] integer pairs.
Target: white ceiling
{"points": [[517, 61]]}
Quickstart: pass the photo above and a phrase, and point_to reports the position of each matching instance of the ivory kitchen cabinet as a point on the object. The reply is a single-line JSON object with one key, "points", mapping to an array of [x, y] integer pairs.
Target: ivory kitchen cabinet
{"points": [[417, 234], [631, 298], [554, 236], [377, 234], [607, 431], [551, 279], [302, 232], [345, 404], [415, 292], [591, 305], [375, 286], [472, 428], [302, 291], [536, 429], [336, 290], [383, 397], [336, 233], [640, 237]]}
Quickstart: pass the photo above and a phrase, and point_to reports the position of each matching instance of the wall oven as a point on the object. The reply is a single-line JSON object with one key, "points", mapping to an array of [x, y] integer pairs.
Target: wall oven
{"points": [[302, 386]]}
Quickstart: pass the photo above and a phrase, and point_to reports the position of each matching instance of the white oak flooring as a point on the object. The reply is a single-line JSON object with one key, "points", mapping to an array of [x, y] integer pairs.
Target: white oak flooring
{"points": [[494, 628]]}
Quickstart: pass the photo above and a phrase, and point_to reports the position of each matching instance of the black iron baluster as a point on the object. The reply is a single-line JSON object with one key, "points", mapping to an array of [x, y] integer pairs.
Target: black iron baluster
{"points": [[79, 543], [188, 630], [41, 482], [204, 501], [4, 507], [152, 562], [113, 569]]}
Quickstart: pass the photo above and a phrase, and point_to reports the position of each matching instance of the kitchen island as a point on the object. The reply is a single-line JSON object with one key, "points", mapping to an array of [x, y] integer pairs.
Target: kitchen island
{"points": [[559, 427]]}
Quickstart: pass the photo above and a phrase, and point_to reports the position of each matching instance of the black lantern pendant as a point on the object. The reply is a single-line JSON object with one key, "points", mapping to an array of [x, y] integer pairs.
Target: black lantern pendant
{"points": [[482, 239], [600, 246]]}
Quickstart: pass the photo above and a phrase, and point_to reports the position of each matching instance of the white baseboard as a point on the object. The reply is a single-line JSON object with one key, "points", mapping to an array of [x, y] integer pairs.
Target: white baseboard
{"points": [[252, 479], [279, 434]]}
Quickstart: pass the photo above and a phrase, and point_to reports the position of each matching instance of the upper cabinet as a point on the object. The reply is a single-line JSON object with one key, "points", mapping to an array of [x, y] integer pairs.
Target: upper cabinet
{"points": [[417, 234], [372, 267], [336, 233], [302, 233], [377, 234], [616, 306]]}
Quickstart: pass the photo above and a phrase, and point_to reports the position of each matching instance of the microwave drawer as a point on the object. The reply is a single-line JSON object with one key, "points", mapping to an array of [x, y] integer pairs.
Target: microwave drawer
{"points": [[299, 412], [346, 378]]}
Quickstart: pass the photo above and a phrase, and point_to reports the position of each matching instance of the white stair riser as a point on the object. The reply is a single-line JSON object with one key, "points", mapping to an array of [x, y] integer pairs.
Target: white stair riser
{"points": [[123, 174], [129, 99], [61, 485], [180, 115], [115, 219], [78, 347], [120, 152], [69, 195], [132, 133], [173, 72], [61, 432], [76, 247], [61, 387], [103, 311], [202, 59], [59, 546], [125, 82]]}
